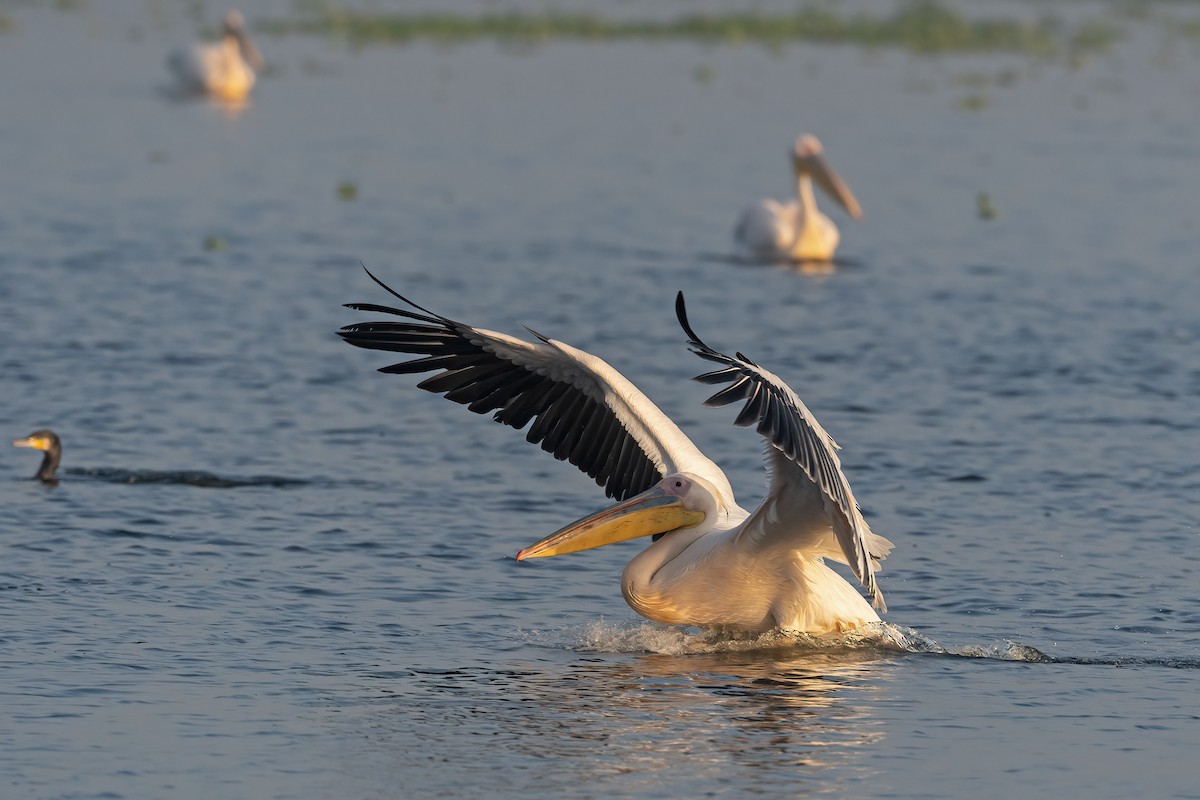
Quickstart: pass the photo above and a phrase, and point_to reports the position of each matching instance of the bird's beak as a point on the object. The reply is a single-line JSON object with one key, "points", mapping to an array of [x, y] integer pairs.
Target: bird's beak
{"points": [[250, 52], [652, 511], [36, 442], [816, 166]]}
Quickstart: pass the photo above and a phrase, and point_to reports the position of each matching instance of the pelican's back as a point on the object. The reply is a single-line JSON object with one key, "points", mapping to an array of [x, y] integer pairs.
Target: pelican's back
{"points": [[765, 228], [217, 69]]}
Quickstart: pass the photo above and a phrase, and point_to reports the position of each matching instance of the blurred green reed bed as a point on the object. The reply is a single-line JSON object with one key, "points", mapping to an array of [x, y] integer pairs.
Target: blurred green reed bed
{"points": [[922, 26]]}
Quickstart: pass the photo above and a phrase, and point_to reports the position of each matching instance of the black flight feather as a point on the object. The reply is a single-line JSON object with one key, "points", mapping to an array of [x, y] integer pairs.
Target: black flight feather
{"points": [[478, 371]]}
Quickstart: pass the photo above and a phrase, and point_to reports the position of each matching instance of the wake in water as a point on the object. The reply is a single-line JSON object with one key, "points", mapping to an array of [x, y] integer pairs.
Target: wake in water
{"points": [[882, 638], [204, 480], [606, 637]]}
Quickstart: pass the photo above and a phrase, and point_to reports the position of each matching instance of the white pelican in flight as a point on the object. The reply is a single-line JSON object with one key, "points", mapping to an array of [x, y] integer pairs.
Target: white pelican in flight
{"points": [[712, 563], [797, 230], [223, 70]]}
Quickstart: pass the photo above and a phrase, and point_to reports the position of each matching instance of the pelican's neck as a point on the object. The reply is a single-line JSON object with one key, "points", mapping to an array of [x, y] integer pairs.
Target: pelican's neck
{"points": [[639, 573], [637, 581], [815, 235], [231, 47], [642, 569], [808, 200]]}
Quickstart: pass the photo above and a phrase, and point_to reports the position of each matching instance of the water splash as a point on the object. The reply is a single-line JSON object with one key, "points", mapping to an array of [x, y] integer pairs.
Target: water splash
{"points": [[603, 636], [882, 638], [1006, 651]]}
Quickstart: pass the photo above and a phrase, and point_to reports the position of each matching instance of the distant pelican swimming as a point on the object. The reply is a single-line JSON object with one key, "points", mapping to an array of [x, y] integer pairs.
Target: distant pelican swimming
{"points": [[224, 69], [46, 441], [797, 230], [712, 563]]}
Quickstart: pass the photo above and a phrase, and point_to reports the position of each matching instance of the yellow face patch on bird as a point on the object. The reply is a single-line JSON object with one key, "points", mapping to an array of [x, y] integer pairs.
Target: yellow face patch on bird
{"points": [[36, 442]]}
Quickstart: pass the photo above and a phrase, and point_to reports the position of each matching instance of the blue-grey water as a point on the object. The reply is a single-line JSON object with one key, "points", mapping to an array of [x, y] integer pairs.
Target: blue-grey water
{"points": [[271, 572]]}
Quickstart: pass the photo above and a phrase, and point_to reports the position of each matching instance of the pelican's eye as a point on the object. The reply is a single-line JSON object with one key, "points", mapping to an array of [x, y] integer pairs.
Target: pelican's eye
{"points": [[676, 487], [679, 487]]}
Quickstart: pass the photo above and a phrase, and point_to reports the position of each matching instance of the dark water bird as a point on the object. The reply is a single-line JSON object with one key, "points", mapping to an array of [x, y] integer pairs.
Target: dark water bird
{"points": [[797, 230], [712, 563], [47, 441]]}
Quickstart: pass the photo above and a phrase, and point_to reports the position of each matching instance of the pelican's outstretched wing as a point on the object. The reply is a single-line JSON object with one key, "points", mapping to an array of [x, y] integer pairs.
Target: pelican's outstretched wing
{"points": [[582, 409], [801, 455]]}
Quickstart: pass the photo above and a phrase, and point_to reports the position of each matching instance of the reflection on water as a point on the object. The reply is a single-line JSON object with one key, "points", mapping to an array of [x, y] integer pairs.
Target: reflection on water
{"points": [[756, 713], [1016, 399], [820, 267], [802, 267], [690, 723], [228, 107], [814, 267], [789, 716]]}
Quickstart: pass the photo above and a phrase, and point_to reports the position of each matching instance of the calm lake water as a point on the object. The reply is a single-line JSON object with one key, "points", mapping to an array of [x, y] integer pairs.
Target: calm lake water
{"points": [[1016, 398]]}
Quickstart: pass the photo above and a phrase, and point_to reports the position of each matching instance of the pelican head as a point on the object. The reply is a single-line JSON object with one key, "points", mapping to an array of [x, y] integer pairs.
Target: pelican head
{"points": [[233, 26], [808, 159], [678, 501], [234, 23], [806, 148]]}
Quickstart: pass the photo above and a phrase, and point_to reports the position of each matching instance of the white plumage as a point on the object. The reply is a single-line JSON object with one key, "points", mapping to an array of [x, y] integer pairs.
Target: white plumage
{"points": [[225, 69], [797, 230], [712, 564]]}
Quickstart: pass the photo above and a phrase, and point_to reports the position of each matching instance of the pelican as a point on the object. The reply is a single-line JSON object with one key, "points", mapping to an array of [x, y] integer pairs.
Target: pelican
{"points": [[48, 442], [712, 564], [223, 70], [797, 230]]}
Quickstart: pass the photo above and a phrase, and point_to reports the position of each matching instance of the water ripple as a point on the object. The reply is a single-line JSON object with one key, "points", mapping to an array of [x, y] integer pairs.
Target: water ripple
{"points": [[204, 480], [880, 639]]}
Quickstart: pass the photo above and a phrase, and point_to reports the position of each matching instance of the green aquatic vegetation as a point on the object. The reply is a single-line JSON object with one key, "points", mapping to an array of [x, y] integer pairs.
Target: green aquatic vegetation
{"points": [[972, 80], [984, 207], [1189, 29], [978, 81], [347, 190], [214, 243], [1007, 77], [975, 101], [1094, 37], [1132, 9], [921, 26]]}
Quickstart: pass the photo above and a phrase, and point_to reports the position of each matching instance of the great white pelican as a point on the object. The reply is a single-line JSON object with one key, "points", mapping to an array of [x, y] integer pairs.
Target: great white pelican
{"points": [[797, 230], [224, 69], [712, 563]]}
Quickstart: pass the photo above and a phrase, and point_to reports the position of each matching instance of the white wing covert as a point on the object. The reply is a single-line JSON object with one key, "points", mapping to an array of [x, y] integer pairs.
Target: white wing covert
{"points": [[583, 411]]}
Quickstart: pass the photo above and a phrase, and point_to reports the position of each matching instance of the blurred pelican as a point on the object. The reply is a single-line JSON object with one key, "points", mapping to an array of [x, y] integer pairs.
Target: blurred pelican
{"points": [[712, 563], [223, 70], [797, 230]]}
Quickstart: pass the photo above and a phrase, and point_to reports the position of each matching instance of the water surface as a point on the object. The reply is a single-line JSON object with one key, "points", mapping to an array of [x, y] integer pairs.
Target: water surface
{"points": [[1016, 399]]}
